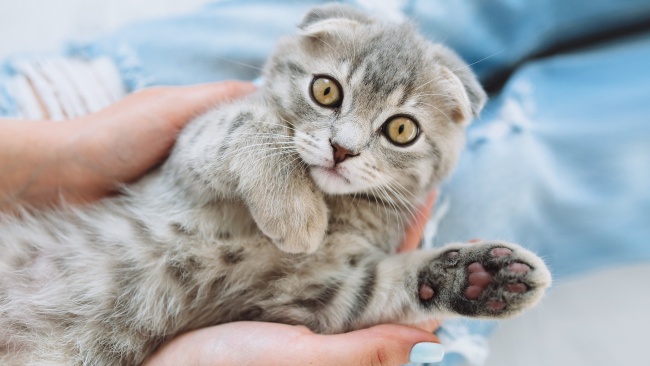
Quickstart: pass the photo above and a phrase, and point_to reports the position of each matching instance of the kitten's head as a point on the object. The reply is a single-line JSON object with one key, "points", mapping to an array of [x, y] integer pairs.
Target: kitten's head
{"points": [[375, 107]]}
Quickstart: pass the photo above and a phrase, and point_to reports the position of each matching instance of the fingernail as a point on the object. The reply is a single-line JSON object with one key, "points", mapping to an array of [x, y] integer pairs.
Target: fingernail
{"points": [[427, 352], [258, 82]]}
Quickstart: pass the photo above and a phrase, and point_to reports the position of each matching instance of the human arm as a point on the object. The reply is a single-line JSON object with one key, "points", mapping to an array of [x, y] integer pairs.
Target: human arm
{"points": [[44, 162]]}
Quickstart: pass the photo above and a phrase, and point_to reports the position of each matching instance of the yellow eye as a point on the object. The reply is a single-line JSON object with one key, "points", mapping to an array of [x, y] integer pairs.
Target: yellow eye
{"points": [[401, 130], [326, 92]]}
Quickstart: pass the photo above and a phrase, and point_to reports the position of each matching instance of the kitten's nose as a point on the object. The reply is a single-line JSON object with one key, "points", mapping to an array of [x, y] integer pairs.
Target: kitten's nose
{"points": [[341, 153]]}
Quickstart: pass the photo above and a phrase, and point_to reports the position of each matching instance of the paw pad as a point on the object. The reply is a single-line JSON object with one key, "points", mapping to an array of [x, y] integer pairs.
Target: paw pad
{"points": [[519, 268], [501, 252], [473, 292], [496, 305], [478, 280], [488, 279], [516, 288], [452, 254], [475, 267], [426, 292]]}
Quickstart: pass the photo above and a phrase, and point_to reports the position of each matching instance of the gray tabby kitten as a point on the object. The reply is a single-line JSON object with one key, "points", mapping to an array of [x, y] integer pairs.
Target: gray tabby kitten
{"points": [[284, 207]]}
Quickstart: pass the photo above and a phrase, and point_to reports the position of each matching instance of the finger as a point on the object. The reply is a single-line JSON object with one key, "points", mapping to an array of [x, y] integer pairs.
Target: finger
{"points": [[197, 99], [149, 118], [380, 345], [415, 230], [177, 105], [429, 325]]}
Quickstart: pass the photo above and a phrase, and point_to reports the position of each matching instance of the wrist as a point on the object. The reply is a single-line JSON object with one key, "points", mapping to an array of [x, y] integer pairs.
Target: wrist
{"points": [[40, 164], [81, 175], [30, 160], [59, 174]]}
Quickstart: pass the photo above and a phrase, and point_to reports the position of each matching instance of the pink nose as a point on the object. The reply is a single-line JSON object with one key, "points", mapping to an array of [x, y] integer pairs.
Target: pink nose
{"points": [[341, 153]]}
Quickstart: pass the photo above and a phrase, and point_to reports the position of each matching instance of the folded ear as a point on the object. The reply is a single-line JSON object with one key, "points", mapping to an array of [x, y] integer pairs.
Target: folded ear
{"points": [[333, 11], [334, 26], [460, 70]]}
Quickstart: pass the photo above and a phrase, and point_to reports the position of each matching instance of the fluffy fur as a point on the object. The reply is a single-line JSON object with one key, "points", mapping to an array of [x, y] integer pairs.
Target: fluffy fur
{"points": [[252, 217]]}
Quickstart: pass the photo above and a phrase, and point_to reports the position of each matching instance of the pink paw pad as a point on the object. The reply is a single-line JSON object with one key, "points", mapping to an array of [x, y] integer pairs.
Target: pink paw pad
{"points": [[426, 292], [477, 280], [452, 254], [473, 292], [480, 279], [475, 267], [519, 268], [501, 252], [516, 288], [496, 305]]}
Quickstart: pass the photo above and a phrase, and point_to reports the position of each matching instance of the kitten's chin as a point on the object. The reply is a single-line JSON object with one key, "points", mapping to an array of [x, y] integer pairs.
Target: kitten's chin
{"points": [[331, 181]]}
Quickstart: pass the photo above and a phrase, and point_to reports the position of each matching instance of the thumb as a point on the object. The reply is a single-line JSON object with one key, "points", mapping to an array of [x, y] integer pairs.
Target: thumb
{"points": [[197, 99], [171, 106], [384, 345], [415, 230]]}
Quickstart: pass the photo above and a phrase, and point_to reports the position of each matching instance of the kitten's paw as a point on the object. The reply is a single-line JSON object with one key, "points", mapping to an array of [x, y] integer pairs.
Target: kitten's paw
{"points": [[300, 229], [488, 279]]}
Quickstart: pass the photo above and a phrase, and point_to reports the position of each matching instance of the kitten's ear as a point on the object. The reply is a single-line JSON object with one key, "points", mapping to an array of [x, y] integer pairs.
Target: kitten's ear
{"points": [[459, 70], [332, 26], [331, 12]]}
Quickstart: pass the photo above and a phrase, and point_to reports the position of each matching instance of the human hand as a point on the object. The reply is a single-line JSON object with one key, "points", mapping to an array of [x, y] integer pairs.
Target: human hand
{"points": [[255, 343], [415, 230], [86, 159], [413, 238], [271, 344], [125, 140]]}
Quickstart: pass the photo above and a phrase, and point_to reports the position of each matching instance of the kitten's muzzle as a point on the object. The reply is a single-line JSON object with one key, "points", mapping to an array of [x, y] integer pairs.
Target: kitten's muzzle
{"points": [[340, 153]]}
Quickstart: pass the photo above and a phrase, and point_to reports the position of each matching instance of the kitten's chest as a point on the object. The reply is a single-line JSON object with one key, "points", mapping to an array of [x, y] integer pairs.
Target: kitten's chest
{"points": [[374, 223]]}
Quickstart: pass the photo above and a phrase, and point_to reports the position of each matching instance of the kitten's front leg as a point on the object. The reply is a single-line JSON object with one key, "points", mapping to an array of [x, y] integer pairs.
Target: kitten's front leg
{"points": [[245, 152], [283, 200], [487, 280], [293, 215]]}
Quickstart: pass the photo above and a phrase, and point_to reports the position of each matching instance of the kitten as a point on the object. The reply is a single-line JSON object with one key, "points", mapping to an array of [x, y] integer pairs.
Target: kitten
{"points": [[286, 206]]}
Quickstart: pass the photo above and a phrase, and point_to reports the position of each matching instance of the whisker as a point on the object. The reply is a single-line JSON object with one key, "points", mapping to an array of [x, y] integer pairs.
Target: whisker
{"points": [[401, 203], [405, 203], [259, 157], [401, 190], [290, 162], [464, 103], [232, 153], [481, 60], [285, 121], [378, 195], [239, 63], [400, 224], [272, 155], [440, 110], [335, 30], [280, 125], [432, 80], [330, 46], [393, 180], [268, 135]]}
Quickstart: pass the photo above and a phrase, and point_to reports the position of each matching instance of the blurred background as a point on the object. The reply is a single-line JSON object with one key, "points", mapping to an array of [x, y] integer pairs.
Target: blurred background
{"points": [[597, 315]]}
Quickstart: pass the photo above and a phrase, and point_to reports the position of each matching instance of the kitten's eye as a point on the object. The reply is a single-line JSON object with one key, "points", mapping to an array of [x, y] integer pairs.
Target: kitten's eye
{"points": [[401, 130], [326, 92]]}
